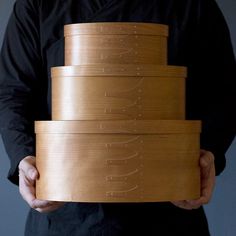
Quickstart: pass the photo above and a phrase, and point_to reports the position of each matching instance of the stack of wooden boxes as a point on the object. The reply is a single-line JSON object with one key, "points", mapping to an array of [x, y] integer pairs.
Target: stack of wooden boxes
{"points": [[118, 131]]}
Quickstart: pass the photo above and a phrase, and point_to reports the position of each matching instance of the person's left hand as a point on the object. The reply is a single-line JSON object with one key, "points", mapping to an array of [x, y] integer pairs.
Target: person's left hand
{"points": [[207, 168]]}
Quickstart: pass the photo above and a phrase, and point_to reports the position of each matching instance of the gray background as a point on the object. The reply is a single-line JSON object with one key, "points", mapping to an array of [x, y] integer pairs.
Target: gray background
{"points": [[221, 212]]}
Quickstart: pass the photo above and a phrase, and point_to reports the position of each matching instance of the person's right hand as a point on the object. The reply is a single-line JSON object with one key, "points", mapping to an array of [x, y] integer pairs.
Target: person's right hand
{"points": [[28, 175]]}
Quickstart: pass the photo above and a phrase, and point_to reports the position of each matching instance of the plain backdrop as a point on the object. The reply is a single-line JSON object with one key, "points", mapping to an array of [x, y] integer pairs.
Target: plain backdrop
{"points": [[221, 211]]}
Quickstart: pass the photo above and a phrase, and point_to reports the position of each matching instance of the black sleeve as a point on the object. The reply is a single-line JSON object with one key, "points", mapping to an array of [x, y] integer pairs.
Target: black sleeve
{"points": [[212, 87], [20, 70]]}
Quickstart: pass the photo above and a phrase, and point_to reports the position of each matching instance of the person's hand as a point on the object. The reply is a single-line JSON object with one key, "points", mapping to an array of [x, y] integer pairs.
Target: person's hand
{"points": [[207, 168], [28, 175]]}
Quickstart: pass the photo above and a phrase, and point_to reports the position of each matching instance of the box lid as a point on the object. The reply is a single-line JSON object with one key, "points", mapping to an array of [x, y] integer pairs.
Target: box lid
{"points": [[116, 28]]}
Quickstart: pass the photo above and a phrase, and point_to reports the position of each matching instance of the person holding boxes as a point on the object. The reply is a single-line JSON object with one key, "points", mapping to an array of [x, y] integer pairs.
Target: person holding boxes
{"points": [[198, 39]]}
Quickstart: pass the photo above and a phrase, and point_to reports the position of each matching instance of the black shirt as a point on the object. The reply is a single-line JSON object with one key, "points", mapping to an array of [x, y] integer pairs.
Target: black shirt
{"points": [[199, 39]]}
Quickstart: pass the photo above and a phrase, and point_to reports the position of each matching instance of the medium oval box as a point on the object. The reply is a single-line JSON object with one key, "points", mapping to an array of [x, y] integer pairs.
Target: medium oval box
{"points": [[102, 43], [117, 161], [118, 92]]}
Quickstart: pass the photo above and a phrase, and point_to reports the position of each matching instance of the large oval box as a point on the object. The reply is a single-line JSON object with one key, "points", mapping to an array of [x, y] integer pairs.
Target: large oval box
{"points": [[105, 92], [133, 43], [117, 161]]}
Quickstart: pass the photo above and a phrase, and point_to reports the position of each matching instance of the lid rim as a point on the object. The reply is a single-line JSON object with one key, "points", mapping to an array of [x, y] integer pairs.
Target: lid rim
{"points": [[119, 127], [119, 70], [116, 28]]}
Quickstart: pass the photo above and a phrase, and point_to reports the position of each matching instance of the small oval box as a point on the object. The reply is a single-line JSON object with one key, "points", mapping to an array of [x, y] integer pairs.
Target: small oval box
{"points": [[113, 92], [102, 43], [118, 161]]}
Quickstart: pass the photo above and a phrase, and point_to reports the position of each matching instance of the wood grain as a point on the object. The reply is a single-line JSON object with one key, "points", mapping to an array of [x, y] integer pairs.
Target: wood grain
{"points": [[119, 70], [122, 167], [120, 28], [117, 97], [119, 127], [85, 50], [121, 43], [118, 132]]}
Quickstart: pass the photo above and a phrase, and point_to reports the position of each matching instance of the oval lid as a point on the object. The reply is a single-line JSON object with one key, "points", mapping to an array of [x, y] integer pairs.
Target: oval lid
{"points": [[116, 28], [119, 127], [119, 70]]}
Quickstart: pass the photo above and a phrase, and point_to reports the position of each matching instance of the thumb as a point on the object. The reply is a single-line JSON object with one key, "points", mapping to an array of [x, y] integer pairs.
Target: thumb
{"points": [[27, 166], [206, 158]]}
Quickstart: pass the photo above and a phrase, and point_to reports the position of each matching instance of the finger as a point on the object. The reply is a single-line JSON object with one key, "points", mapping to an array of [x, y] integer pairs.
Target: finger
{"points": [[208, 187], [207, 183], [51, 208], [27, 176], [197, 202], [44, 204], [27, 190], [26, 187], [184, 205], [27, 165], [207, 179], [207, 176], [29, 196], [206, 158]]}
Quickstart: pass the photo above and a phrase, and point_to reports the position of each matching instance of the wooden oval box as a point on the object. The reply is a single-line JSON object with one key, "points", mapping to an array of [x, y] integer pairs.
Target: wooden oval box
{"points": [[117, 161], [133, 43], [118, 92]]}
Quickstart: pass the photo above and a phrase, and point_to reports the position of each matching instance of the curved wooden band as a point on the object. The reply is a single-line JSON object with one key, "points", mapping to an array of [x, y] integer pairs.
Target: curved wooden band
{"points": [[91, 166], [116, 28], [119, 70], [119, 127]]}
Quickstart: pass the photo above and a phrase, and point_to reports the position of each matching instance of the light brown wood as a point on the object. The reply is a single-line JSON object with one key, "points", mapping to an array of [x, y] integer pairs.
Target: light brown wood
{"points": [[131, 143], [117, 97], [121, 43], [120, 28], [84, 50], [117, 167], [119, 127], [119, 70]]}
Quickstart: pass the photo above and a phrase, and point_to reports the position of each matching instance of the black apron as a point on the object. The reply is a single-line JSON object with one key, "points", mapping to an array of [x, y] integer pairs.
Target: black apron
{"points": [[148, 219], [192, 32]]}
